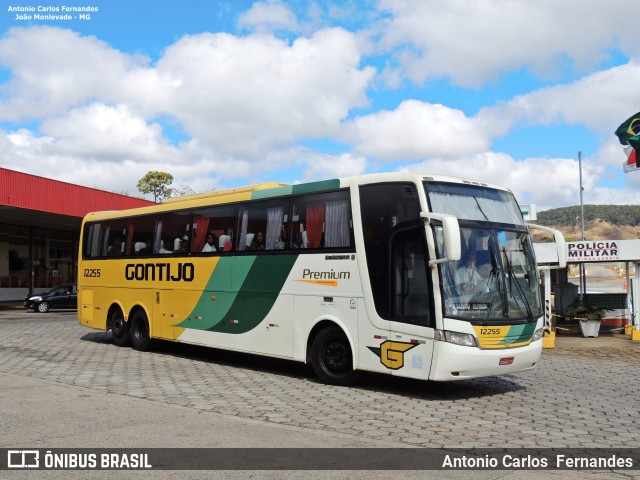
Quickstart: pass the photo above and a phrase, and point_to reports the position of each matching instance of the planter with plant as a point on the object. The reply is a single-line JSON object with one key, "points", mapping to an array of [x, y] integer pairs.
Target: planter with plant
{"points": [[589, 316]]}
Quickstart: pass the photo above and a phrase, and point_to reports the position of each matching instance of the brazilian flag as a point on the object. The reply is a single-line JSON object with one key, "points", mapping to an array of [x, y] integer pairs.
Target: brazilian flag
{"points": [[629, 131], [629, 134]]}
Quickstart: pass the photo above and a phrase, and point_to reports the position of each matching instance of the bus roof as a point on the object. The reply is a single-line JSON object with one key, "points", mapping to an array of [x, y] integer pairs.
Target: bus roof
{"points": [[228, 191], [275, 189]]}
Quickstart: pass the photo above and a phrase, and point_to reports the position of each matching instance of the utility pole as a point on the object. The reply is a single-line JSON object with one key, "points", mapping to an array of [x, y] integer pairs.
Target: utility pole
{"points": [[583, 277]]}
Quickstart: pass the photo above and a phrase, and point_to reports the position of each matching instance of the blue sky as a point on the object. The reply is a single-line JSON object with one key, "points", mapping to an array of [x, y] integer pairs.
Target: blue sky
{"points": [[225, 93]]}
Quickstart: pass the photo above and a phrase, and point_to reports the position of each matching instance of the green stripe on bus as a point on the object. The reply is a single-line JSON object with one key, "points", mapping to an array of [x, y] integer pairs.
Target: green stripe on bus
{"points": [[272, 192], [316, 186], [245, 289], [519, 333], [259, 291], [212, 311]]}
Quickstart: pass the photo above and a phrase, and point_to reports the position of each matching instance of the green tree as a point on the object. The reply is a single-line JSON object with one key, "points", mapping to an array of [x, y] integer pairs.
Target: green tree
{"points": [[156, 183]]}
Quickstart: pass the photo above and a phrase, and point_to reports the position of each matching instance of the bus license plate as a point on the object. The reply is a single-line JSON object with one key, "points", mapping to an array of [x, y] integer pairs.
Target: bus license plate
{"points": [[506, 361]]}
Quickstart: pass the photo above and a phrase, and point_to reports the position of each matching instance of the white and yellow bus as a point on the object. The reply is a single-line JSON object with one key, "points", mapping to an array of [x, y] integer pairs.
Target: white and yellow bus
{"points": [[349, 275]]}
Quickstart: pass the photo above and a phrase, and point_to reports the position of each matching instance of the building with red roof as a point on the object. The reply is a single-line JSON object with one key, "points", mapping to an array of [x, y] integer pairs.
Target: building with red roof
{"points": [[40, 223]]}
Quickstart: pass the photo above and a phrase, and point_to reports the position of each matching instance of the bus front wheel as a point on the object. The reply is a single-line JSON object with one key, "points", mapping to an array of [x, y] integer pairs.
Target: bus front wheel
{"points": [[140, 338], [120, 330], [331, 358]]}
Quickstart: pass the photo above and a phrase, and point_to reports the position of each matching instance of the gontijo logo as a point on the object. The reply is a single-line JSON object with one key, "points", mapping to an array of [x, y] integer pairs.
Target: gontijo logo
{"points": [[392, 353]]}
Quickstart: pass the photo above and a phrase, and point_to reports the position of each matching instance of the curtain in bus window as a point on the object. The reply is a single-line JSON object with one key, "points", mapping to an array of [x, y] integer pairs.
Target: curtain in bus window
{"points": [[94, 242], [129, 239], [274, 227], [105, 243], [157, 241], [337, 224], [201, 227], [242, 244], [315, 220], [475, 207]]}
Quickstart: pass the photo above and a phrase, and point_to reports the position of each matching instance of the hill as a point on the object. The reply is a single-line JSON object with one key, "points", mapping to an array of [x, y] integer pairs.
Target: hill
{"points": [[615, 222]]}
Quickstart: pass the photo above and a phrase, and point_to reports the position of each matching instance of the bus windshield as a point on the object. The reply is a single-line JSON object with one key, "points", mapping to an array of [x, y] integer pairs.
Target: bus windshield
{"points": [[471, 202], [495, 278]]}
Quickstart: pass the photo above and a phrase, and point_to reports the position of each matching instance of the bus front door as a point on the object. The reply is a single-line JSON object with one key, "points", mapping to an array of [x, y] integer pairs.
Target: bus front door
{"points": [[411, 334]]}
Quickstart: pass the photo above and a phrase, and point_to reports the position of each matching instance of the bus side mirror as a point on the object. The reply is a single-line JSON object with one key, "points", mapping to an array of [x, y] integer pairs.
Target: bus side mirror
{"points": [[451, 233], [559, 242]]}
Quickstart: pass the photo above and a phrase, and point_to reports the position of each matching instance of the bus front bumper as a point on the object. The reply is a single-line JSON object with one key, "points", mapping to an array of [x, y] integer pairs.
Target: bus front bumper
{"points": [[456, 362]]}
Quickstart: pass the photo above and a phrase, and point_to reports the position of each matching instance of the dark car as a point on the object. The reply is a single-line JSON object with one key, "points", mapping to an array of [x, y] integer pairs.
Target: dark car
{"points": [[62, 296]]}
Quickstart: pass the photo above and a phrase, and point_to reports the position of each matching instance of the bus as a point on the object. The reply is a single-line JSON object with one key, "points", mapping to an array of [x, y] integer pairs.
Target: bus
{"points": [[347, 275]]}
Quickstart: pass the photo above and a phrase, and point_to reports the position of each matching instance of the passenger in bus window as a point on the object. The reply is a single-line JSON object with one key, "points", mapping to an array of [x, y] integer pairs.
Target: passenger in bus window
{"points": [[115, 250], [166, 247], [258, 242], [210, 244], [184, 247], [178, 243], [143, 248]]}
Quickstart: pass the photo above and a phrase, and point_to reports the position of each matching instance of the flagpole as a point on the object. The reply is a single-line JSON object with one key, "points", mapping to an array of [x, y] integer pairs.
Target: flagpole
{"points": [[583, 277]]}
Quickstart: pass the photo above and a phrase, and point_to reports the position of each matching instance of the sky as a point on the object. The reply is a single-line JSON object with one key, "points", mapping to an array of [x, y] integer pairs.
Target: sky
{"points": [[228, 93]]}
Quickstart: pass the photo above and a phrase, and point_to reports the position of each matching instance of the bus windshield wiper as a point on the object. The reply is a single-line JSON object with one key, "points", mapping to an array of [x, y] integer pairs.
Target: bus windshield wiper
{"points": [[521, 294]]}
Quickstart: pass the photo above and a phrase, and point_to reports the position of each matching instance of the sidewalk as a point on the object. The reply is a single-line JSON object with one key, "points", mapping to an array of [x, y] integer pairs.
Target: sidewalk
{"points": [[604, 340], [11, 305]]}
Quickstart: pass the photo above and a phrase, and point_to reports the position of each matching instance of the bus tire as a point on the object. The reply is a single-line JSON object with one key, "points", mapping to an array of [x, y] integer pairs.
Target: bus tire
{"points": [[331, 358], [120, 329], [140, 338]]}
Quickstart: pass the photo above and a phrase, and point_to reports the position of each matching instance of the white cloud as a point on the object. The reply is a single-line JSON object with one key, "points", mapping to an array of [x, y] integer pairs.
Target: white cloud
{"points": [[251, 94], [54, 69], [600, 102], [245, 104], [320, 166], [269, 16], [101, 131], [242, 102], [547, 182], [473, 42], [416, 130]]}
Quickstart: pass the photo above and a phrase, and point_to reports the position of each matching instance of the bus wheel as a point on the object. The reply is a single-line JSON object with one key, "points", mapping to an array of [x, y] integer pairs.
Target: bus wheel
{"points": [[120, 329], [140, 338], [331, 358]]}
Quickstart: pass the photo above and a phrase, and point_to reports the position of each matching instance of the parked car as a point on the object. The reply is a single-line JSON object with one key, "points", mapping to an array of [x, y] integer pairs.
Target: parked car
{"points": [[62, 296]]}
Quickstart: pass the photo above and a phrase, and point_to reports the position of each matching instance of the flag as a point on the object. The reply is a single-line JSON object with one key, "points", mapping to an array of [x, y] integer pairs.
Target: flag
{"points": [[631, 164], [629, 128], [629, 134]]}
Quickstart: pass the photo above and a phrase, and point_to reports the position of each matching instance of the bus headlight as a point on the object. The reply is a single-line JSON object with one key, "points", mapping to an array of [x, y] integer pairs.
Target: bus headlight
{"points": [[537, 335], [457, 338]]}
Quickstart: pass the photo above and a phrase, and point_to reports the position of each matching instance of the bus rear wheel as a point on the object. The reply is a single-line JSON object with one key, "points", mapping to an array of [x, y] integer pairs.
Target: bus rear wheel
{"points": [[120, 330], [331, 358], [140, 338]]}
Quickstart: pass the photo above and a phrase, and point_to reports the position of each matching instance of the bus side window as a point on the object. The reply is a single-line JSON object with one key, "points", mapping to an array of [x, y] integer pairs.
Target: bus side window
{"points": [[173, 232], [322, 221], [263, 225]]}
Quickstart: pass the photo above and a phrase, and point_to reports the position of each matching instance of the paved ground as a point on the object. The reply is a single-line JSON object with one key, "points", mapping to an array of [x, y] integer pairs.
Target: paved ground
{"points": [[583, 394]]}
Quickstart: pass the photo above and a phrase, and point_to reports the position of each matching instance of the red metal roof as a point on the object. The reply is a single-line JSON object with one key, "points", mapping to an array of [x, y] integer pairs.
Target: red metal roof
{"points": [[23, 190]]}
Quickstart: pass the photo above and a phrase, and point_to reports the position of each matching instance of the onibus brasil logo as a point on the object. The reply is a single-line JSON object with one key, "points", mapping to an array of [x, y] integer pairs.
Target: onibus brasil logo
{"points": [[392, 353]]}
